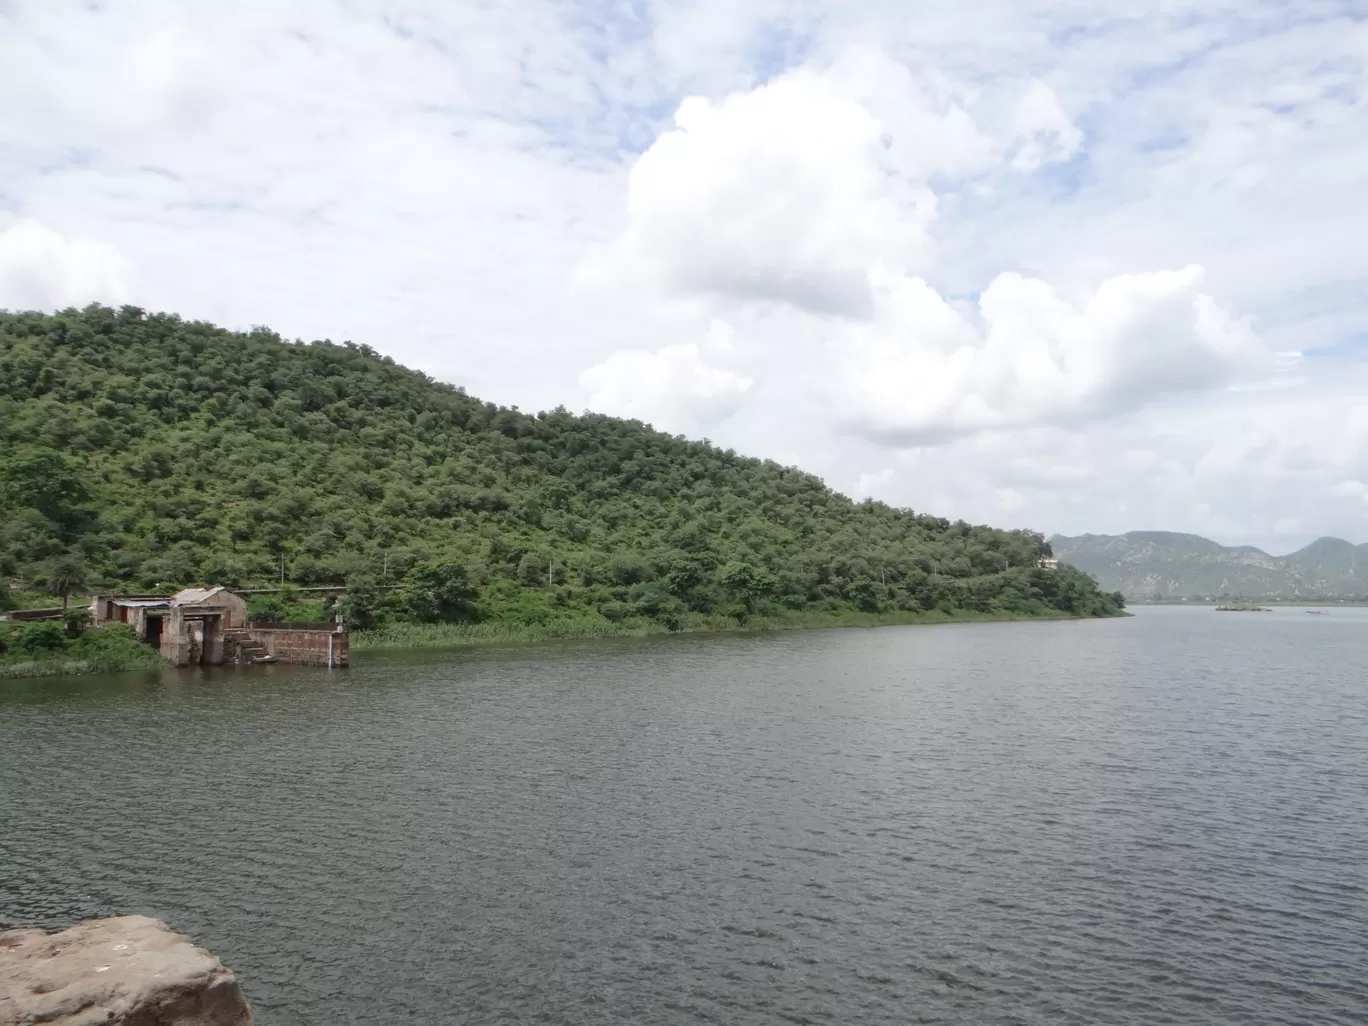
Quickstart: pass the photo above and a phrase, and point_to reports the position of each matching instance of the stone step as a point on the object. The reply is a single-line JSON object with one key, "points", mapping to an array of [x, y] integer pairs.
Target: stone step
{"points": [[255, 651]]}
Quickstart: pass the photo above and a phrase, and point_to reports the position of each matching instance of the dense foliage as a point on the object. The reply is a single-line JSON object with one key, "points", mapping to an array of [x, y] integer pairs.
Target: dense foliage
{"points": [[54, 647], [143, 451]]}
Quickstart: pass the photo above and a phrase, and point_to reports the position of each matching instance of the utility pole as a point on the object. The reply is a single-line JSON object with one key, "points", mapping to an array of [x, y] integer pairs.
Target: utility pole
{"points": [[282, 568]]}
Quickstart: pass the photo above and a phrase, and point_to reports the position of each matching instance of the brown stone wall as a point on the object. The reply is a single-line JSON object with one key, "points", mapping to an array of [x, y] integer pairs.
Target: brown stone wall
{"points": [[302, 646]]}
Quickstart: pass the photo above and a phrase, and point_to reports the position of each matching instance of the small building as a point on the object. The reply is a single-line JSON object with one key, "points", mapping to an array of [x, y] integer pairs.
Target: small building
{"points": [[208, 626], [187, 629], [1047, 563]]}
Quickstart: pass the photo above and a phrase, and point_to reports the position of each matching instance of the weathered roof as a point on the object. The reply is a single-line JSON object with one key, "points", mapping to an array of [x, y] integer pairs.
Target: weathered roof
{"points": [[141, 603], [195, 596]]}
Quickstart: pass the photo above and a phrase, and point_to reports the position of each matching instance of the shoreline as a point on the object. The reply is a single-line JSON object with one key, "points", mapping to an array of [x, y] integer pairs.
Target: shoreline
{"points": [[399, 637]]}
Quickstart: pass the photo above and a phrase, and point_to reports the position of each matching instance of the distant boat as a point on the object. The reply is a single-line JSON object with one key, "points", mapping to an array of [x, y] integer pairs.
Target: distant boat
{"points": [[1316, 612]]}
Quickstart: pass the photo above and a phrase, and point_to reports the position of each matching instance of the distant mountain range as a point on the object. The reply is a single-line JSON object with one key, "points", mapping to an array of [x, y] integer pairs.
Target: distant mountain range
{"points": [[1149, 565]]}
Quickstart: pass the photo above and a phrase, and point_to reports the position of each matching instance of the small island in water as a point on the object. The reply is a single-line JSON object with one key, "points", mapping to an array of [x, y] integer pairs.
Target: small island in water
{"points": [[141, 454], [1243, 609]]}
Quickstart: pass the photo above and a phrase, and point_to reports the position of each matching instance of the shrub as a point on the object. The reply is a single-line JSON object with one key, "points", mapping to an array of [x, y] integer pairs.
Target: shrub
{"points": [[76, 621], [614, 611], [41, 638], [627, 568]]}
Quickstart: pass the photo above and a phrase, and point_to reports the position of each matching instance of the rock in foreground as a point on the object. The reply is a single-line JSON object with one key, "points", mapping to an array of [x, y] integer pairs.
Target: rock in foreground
{"points": [[128, 971]]}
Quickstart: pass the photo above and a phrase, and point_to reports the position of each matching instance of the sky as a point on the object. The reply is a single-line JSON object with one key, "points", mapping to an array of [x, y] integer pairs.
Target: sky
{"points": [[1050, 265]]}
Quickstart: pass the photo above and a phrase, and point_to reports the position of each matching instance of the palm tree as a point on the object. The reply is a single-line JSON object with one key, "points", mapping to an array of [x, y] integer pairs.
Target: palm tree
{"points": [[63, 575]]}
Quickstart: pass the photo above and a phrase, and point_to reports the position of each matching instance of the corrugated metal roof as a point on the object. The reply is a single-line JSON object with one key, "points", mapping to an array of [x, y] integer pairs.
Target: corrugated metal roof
{"points": [[195, 596]]}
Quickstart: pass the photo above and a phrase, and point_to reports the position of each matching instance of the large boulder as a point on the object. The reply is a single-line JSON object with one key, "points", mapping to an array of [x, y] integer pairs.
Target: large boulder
{"points": [[128, 971]]}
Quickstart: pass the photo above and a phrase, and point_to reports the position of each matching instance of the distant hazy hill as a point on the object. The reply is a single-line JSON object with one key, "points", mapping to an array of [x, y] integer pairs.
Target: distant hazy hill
{"points": [[1163, 564]]}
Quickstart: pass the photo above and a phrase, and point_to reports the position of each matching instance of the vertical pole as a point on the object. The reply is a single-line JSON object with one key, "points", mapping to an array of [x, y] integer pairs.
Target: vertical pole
{"points": [[282, 566], [330, 646]]}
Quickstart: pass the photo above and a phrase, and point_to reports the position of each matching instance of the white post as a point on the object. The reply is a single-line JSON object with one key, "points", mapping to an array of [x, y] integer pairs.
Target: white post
{"points": [[330, 650]]}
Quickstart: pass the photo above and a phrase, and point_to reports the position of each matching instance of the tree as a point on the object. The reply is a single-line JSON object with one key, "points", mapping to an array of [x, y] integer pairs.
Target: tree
{"points": [[745, 582], [76, 621], [45, 480], [63, 575], [533, 569], [684, 573], [865, 593], [438, 592], [359, 604]]}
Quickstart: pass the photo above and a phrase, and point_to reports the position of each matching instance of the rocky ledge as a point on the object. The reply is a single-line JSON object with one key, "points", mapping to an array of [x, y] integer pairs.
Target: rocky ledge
{"points": [[128, 971]]}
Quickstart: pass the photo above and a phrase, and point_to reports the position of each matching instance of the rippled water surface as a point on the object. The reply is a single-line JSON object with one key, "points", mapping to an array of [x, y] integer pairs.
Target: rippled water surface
{"points": [[1157, 819]]}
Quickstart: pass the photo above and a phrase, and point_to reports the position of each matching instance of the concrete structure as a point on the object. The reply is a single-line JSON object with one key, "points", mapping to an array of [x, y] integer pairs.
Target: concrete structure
{"points": [[209, 626], [314, 644], [1046, 563], [187, 628], [33, 615]]}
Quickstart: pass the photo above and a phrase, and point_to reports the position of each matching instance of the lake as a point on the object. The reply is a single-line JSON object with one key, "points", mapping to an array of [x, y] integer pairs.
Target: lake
{"points": [[1157, 819]]}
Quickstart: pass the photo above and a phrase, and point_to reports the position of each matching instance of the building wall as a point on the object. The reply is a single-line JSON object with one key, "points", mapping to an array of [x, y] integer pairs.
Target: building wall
{"points": [[302, 646], [234, 608]]}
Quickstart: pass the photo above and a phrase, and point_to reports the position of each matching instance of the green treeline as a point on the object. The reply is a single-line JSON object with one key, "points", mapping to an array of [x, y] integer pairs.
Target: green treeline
{"points": [[145, 452]]}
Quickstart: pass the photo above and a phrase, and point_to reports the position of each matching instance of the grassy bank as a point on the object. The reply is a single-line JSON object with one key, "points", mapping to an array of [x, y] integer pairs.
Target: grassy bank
{"points": [[45, 650], [409, 635]]}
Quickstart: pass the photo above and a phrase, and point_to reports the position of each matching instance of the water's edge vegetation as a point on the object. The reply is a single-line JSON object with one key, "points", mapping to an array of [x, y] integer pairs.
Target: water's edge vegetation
{"points": [[49, 649], [412, 636], [113, 649]]}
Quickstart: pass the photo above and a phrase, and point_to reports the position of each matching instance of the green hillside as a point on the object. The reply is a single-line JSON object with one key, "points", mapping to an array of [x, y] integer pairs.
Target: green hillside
{"points": [[1148, 565], [143, 451]]}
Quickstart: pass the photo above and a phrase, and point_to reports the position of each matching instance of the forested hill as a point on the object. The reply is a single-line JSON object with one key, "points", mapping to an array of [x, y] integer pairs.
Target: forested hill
{"points": [[143, 451]]}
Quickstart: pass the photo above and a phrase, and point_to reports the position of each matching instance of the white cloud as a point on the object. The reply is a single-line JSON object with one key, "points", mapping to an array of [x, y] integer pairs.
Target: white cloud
{"points": [[672, 388], [785, 193], [923, 371], [42, 270], [1043, 133], [794, 193]]}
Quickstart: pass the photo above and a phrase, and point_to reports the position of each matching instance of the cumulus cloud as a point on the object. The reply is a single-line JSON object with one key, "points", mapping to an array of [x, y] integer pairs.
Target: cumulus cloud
{"points": [[41, 269], [673, 388], [1041, 132], [924, 370], [937, 127], [791, 191], [785, 193], [797, 193]]}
